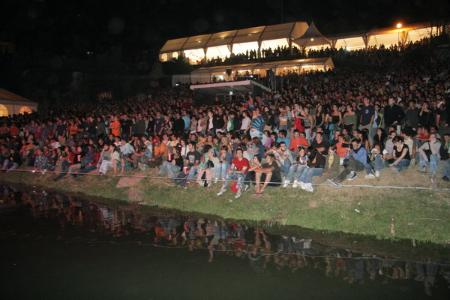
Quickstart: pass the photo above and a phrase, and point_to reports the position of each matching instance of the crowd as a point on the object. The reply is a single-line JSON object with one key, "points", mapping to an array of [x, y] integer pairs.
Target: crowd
{"points": [[355, 59], [268, 54], [355, 121], [264, 251]]}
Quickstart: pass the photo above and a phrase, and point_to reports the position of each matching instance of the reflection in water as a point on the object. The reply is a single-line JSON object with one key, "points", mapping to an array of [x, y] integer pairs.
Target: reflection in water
{"points": [[264, 252]]}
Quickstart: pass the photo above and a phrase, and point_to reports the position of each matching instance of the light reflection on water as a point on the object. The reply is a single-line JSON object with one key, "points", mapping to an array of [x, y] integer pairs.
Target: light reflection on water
{"points": [[117, 226]]}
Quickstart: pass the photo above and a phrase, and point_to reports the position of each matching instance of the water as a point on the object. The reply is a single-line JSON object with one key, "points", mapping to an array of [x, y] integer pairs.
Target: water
{"points": [[56, 246]]}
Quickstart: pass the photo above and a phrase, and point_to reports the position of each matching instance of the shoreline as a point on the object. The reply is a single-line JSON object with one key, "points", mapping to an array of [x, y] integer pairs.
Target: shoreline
{"points": [[375, 214]]}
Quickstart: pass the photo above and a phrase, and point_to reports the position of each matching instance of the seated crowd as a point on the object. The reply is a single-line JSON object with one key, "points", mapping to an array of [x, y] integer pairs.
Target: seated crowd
{"points": [[351, 122]]}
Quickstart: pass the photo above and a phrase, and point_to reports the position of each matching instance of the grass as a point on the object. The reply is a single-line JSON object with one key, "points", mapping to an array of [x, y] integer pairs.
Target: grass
{"points": [[384, 214]]}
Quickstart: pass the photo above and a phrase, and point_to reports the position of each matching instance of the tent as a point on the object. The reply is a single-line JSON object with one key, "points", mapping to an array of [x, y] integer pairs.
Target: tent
{"points": [[223, 44], [11, 104], [312, 39]]}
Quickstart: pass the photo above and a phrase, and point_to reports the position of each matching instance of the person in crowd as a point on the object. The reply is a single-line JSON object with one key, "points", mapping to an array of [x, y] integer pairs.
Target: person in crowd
{"points": [[250, 177], [193, 156], [349, 119], [105, 161], [356, 162], [376, 162], [308, 115], [268, 174], [316, 165], [208, 161], [401, 155], [366, 114], [393, 113], [429, 155], [298, 140], [126, 152], [342, 148], [238, 170], [412, 115], [297, 168], [445, 155]]}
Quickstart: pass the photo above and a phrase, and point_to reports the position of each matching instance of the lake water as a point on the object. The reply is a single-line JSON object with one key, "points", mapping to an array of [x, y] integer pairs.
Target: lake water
{"points": [[56, 246]]}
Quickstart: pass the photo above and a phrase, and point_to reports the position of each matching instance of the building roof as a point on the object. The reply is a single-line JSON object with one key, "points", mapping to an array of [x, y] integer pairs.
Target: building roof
{"points": [[290, 30], [312, 37], [10, 96]]}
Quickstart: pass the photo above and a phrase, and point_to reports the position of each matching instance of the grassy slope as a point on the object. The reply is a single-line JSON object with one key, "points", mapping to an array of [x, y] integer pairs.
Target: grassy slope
{"points": [[420, 215]]}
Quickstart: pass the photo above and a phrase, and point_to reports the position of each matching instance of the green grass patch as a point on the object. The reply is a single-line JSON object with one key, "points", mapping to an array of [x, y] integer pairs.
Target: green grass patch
{"points": [[386, 214]]}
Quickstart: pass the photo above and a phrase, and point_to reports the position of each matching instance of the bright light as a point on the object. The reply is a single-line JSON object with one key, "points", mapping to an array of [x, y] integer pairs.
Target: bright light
{"points": [[194, 55], [399, 25], [231, 93], [273, 44], [311, 39], [244, 47], [217, 51]]}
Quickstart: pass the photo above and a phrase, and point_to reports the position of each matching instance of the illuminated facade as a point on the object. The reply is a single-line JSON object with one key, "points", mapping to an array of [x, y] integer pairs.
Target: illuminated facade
{"points": [[200, 48], [234, 42], [249, 70], [11, 104]]}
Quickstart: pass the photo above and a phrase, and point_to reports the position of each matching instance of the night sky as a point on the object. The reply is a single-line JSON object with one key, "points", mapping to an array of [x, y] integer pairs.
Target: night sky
{"points": [[50, 29], [64, 27]]}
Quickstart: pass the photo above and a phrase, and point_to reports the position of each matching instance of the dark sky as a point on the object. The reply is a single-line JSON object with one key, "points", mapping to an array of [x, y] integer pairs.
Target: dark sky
{"points": [[68, 27]]}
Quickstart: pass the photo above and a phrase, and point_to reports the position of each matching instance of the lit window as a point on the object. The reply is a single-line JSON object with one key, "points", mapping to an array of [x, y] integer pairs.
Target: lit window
{"points": [[244, 47], [3, 111], [273, 44], [25, 110], [163, 57], [218, 51], [195, 56]]}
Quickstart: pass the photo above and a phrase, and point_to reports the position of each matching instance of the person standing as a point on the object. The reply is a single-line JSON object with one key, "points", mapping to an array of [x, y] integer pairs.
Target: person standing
{"points": [[366, 113], [393, 114]]}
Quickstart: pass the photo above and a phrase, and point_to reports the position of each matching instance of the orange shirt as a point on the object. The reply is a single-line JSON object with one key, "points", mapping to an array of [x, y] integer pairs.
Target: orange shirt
{"points": [[160, 150], [115, 128], [341, 151], [297, 142]]}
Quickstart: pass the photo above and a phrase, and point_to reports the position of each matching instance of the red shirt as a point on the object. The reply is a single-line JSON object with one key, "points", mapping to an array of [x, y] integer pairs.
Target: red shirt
{"points": [[297, 142], [14, 131], [298, 124], [240, 164]]}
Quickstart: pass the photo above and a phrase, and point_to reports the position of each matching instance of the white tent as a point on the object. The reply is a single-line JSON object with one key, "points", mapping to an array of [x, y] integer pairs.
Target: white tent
{"points": [[223, 44], [11, 104], [312, 39], [350, 42]]}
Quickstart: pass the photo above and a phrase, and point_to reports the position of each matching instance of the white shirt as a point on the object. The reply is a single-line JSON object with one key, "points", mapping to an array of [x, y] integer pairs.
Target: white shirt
{"points": [[245, 123]]}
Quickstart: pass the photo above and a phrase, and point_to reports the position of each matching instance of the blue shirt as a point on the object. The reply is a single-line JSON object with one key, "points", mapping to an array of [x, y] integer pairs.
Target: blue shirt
{"points": [[258, 123], [187, 122], [286, 140], [360, 155]]}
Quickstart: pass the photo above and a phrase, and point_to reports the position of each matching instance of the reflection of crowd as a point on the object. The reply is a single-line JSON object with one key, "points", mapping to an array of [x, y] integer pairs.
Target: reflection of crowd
{"points": [[343, 123], [218, 238]]}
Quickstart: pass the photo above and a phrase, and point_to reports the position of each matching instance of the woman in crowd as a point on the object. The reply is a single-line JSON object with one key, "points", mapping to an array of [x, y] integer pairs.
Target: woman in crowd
{"points": [[401, 155]]}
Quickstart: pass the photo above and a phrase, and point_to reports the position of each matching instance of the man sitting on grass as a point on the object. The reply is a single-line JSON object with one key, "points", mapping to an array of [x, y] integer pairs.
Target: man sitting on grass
{"points": [[356, 162], [269, 172], [239, 167]]}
